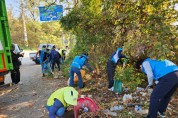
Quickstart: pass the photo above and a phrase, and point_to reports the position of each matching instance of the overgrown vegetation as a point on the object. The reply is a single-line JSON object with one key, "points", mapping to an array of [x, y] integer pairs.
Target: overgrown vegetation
{"points": [[144, 27], [130, 78]]}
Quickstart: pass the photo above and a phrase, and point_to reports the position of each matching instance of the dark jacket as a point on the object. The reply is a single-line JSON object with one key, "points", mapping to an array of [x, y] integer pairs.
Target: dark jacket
{"points": [[15, 60], [54, 55], [116, 56]]}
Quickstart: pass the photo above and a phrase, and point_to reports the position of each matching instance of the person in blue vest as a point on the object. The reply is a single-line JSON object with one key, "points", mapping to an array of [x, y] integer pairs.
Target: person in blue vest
{"points": [[165, 75], [42, 54], [46, 63], [76, 66], [60, 100], [114, 59]]}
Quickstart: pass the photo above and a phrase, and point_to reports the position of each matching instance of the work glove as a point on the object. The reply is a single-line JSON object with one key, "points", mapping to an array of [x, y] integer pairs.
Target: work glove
{"points": [[94, 71], [156, 82]]}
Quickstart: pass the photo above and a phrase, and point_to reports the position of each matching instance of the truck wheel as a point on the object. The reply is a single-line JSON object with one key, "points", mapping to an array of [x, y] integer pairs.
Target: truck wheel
{"points": [[1, 83], [37, 62], [1, 80]]}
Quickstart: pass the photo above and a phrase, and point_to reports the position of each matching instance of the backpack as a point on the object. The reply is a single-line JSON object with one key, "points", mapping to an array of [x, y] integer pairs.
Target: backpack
{"points": [[63, 52], [55, 55]]}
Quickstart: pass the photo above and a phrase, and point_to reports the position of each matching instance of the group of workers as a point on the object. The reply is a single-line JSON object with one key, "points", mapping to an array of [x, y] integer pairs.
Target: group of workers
{"points": [[49, 58], [62, 98], [163, 72]]}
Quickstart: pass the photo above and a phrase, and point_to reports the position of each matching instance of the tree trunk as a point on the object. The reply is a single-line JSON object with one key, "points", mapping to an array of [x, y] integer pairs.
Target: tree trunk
{"points": [[24, 23]]}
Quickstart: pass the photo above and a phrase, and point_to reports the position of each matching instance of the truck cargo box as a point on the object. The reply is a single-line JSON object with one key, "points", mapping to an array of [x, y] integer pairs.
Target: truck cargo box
{"points": [[5, 41]]}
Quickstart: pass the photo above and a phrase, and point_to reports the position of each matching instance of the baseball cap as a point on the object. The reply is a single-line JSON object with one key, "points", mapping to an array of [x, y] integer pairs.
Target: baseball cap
{"points": [[70, 96]]}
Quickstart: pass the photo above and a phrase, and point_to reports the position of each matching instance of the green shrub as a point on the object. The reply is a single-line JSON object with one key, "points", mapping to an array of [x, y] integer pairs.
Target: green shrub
{"points": [[130, 78]]}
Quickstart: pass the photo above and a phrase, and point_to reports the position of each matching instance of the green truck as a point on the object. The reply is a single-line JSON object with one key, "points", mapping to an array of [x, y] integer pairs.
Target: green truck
{"points": [[5, 43]]}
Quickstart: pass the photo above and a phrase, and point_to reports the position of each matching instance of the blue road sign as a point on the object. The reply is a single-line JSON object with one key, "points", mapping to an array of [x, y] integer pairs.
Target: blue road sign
{"points": [[51, 13]]}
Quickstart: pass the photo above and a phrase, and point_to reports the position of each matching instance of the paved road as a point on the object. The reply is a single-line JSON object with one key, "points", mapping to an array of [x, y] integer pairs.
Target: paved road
{"points": [[27, 65], [28, 100]]}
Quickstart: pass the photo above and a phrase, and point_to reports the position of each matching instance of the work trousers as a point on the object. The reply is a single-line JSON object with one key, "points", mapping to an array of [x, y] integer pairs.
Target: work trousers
{"points": [[162, 93], [15, 76], [53, 62], [111, 67], [57, 109], [77, 71]]}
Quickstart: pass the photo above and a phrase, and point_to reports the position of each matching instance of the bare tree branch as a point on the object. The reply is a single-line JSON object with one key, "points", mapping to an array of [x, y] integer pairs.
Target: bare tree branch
{"points": [[51, 4]]}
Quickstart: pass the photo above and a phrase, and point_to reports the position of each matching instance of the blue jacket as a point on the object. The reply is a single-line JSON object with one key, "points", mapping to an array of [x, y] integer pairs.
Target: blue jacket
{"points": [[117, 55], [160, 68], [79, 61], [42, 55]]}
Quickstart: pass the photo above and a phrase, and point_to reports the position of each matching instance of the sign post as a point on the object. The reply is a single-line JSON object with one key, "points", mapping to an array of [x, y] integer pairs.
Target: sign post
{"points": [[51, 13]]}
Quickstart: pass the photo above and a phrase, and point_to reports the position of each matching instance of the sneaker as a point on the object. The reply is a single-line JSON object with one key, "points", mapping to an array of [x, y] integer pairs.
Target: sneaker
{"points": [[43, 75], [20, 83], [56, 77], [13, 83], [162, 115], [111, 89], [59, 72]]}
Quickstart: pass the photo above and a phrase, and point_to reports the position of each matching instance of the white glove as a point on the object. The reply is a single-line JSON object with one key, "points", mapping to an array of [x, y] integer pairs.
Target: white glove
{"points": [[156, 82]]}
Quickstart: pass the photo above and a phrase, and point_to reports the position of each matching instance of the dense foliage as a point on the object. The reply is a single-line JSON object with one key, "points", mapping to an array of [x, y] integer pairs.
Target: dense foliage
{"points": [[143, 26]]}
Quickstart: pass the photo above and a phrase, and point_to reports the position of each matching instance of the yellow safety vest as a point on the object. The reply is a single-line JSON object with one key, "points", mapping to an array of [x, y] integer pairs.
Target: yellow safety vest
{"points": [[60, 52], [58, 94]]}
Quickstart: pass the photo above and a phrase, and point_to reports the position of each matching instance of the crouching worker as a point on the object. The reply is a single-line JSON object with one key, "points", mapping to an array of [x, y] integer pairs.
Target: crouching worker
{"points": [[60, 100], [76, 66], [165, 73]]}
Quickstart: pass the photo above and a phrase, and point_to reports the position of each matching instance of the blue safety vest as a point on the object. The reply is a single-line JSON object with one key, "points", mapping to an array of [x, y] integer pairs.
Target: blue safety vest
{"points": [[79, 61], [161, 68], [115, 56]]}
